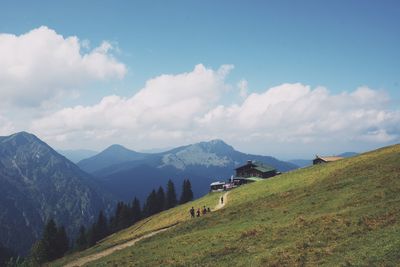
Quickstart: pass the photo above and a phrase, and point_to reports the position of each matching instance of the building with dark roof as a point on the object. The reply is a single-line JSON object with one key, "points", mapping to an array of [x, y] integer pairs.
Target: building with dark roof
{"points": [[253, 169], [319, 159]]}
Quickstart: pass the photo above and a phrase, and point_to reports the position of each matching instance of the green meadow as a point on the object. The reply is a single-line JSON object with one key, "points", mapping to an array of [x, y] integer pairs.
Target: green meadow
{"points": [[345, 213]]}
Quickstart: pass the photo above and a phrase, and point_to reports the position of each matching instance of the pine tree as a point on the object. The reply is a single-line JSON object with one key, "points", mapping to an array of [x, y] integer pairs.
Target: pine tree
{"points": [[135, 210], [62, 243], [117, 221], [160, 206], [101, 229], [189, 190], [171, 195], [187, 193], [151, 204], [92, 235], [53, 245], [38, 254], [49, 240], [124, 217], [81, 242]]}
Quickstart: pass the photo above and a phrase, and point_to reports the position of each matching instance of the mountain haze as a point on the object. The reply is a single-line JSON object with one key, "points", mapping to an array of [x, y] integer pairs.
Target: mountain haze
{"points": [[114, 154], [77, 155], [202, 163]]}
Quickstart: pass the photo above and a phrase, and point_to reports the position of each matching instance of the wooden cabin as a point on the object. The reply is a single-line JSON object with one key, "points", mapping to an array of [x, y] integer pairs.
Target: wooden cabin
{"points": [[255, 169], [319, 159]]}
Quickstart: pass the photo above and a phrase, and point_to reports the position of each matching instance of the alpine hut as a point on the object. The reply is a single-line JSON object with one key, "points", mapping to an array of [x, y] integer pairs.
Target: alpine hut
{"points": [[319, 159]]}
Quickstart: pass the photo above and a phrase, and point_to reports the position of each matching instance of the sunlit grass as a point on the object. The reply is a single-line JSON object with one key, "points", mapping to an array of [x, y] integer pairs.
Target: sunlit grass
{"points": [[339, 214], [162, 220]]}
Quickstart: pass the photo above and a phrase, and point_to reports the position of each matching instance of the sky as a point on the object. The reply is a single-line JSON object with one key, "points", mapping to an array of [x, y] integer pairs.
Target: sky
{"points": [[285, 78]]}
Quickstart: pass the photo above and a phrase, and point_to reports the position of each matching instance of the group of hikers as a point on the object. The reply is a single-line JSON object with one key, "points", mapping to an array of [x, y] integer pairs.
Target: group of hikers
{"points": [[197, 213], [204, 211]]}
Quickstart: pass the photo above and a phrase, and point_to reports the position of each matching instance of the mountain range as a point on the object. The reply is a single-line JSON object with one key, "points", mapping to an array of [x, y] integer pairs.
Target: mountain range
{"points": [[127, 173], [37, 184], [76, 155], [344, 213]]}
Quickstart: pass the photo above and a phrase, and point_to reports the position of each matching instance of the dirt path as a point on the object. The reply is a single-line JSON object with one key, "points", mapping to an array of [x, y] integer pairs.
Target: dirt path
{"points": [[221, 205], [96, 256]]}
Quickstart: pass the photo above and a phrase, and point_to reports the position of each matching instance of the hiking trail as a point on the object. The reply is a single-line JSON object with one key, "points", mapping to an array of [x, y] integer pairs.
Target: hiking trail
{"points": [[82, 261], [221, 205], [96, 256]]}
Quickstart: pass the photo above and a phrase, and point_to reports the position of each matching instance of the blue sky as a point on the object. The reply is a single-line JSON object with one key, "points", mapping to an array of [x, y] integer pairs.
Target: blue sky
{"points": [[340, 45]]}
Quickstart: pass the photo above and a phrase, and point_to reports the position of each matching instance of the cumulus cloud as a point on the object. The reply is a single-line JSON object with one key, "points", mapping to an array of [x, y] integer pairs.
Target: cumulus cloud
{"points": [[295, 112], [243, 88], [6, 126], [186, 107], [41, 64], [164, 108]]}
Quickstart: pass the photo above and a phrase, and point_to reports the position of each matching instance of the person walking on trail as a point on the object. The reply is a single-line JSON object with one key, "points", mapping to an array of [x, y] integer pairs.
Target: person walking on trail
{"points": [[198, 212], [192, 212], [204, 211], [222, 200]]}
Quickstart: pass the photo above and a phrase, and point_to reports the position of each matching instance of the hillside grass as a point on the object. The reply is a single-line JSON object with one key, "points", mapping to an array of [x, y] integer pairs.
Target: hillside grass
{"points": [[344, 213], [156, 222]]}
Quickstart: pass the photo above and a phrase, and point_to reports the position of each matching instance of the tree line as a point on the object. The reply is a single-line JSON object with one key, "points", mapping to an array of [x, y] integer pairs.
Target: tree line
{"points": [[127, 214], [55, 243]]}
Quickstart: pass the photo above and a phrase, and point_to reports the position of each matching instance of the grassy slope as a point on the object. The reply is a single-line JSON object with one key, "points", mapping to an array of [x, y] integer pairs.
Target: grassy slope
{"points": [[342, 213], [162, 220]]}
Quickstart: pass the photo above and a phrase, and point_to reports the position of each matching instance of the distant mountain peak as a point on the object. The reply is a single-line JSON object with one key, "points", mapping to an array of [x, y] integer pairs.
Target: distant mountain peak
{"points": [[210, 153], [116, 147], [22, 137], [215, 145], [111, 155], [217, 141], [38, 183]]}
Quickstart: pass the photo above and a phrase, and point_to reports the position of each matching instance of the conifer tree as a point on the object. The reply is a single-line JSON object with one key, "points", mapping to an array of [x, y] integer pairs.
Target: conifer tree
{"points": [[101, 227], [151, 204], [124, 217], [171, 195], [136, 210], [92, 235], [49, 240], [160, 200], [189, 190], [115, 222], [81, 242], [38, 254], [187, 193], [62, 243]]}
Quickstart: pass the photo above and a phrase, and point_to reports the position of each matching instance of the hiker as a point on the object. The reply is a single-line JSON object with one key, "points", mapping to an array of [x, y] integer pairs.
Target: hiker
{"points": [[204, 210], [192, 212], [208, 209], [198, 212], [222, 200]]}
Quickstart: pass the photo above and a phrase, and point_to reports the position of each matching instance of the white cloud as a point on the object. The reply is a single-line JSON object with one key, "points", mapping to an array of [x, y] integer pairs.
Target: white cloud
{"points": [[297, 113], [41, 64], [164, 108], [243, 88], [6, 126], [183, 108]]}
